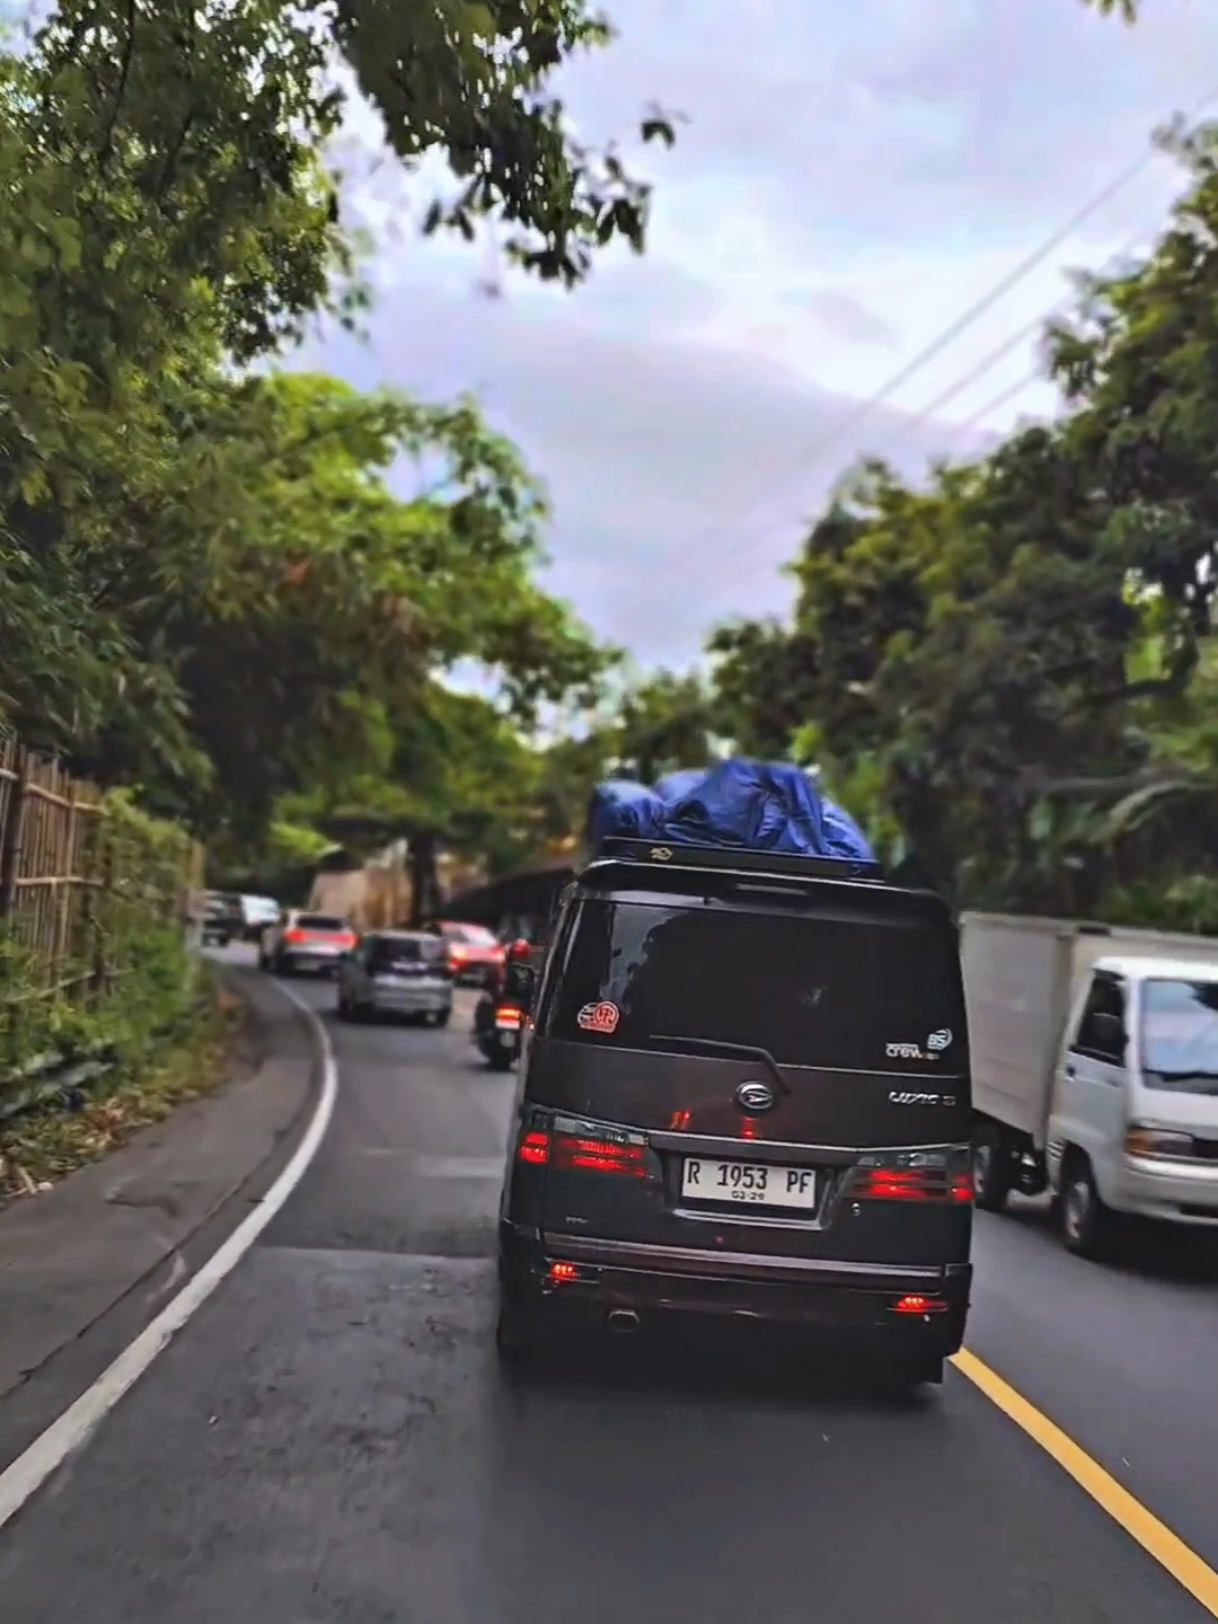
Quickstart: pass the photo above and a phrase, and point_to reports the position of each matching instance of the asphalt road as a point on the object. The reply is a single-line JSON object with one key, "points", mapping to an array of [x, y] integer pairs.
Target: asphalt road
{"points": [[330, 1439]]}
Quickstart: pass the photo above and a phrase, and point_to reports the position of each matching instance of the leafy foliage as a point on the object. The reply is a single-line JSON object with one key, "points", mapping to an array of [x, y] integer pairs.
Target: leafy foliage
{"points": [[1126, 10], [213, 587], [468, 79]]}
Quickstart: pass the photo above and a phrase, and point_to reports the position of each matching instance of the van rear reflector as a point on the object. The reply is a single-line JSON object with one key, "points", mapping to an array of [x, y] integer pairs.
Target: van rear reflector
{"points": [[915, 1303]]}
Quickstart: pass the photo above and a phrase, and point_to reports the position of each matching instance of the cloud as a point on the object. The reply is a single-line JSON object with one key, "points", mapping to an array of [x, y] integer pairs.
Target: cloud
{"points": [[654, 448], [855, 175]]}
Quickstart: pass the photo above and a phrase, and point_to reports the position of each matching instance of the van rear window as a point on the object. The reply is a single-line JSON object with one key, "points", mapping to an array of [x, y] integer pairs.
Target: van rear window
{"points": [[386, 951], [327, 922], [853, 994]]}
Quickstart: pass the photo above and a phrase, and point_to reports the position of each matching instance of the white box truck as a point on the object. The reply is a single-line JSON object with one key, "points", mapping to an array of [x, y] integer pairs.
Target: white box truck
{"points": [[1095, 1070]]}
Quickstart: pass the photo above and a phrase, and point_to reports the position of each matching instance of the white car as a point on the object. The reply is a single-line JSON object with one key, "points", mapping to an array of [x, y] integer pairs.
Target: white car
{"points": [[396, 972], [306, 941]]}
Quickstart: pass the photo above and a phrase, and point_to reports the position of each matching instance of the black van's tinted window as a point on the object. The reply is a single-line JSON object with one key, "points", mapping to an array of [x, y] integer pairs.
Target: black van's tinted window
{"points": [[814, 992]]}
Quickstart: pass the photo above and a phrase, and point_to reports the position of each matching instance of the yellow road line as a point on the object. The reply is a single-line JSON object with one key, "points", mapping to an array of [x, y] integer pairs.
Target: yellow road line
{"points": [[1184, 1565]]}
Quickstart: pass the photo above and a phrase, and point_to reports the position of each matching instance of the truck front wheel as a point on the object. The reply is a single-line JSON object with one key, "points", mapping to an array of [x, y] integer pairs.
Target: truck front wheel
{"points": [[992, 1169], [1087, 1225]]}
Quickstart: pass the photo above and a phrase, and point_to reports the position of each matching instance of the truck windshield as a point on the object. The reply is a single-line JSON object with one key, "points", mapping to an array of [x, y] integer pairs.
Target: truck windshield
{"points": [[1180, 1035], [855, 995]]}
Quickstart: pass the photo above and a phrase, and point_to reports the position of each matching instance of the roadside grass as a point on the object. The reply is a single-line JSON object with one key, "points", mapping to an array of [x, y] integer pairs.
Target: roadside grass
{"points": [[151, 1079]]}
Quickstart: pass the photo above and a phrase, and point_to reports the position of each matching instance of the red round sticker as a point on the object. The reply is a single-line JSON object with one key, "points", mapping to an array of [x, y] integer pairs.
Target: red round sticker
{"points": [[602, 1017]]}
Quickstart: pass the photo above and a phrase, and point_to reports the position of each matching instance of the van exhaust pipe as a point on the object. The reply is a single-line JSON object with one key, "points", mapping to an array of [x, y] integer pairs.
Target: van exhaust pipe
{"points": [[624, 1321]]}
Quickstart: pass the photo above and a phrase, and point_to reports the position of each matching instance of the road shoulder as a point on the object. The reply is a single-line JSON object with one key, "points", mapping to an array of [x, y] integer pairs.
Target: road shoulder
{"points": [[105, 1249]]}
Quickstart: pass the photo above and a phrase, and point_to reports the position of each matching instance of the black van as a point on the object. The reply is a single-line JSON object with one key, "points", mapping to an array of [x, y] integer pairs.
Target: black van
{"points": [[744, 1091]]}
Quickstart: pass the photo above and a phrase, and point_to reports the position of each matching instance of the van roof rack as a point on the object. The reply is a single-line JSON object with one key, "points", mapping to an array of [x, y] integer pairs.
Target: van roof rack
{"points": [[664, 854]]}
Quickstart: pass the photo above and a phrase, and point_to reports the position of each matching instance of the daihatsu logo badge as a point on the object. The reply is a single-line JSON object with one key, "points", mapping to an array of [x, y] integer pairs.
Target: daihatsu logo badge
{"points": [[754, 1098]]}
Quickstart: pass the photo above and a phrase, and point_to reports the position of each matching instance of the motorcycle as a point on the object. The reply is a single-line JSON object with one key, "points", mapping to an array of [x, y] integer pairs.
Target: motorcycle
{"points": [[501, 1012], [497, 1026]]}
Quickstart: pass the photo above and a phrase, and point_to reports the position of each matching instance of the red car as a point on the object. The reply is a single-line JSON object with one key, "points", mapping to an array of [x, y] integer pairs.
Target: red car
{"points": [[474, 953]]}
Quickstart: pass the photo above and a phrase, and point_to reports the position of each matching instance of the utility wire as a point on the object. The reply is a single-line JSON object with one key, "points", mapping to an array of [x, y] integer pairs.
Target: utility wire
{"points": [[1008, 394], [1148, 233], [1013, 278]]}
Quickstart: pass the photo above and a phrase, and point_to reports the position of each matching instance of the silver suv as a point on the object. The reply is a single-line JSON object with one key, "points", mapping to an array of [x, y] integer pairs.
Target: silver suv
{"points": [[397, 972]]}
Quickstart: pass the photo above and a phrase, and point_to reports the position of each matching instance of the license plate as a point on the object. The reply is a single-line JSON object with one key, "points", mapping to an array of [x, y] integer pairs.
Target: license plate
{"points": [[749, 1183]]}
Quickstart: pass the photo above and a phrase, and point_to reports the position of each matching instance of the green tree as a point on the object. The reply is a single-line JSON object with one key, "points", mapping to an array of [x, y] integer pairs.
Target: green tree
{"points": [[1012, 665], [208, 584], [949, 647], [302, 601], [664, 723], [467, 81]]}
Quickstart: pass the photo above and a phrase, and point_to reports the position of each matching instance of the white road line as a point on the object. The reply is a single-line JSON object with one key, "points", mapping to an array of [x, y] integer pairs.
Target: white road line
{"points": [[78, 1422]]}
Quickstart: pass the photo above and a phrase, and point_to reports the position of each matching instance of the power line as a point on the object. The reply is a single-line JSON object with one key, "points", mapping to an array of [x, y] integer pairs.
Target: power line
{"points": [[969, 378], [1012, 279], [1009, 393], [1140, 238]]}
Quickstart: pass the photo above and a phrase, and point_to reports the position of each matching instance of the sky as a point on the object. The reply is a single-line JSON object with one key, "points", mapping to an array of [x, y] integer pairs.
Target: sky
{"points": [[853, 175]]}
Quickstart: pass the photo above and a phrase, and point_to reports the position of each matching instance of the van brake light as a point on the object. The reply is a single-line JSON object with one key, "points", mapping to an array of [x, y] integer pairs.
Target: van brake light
{"points": [[585, 1153], [534, 1148], [600, 1155], [932, 1179]]}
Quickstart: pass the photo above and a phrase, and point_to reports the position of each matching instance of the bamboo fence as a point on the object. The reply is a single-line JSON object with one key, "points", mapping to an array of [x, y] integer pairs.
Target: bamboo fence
{"points": [[80, 878]]}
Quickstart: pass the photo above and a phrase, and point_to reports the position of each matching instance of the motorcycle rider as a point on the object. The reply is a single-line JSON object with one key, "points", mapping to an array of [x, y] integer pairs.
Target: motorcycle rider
{"points": [[509, 985]]}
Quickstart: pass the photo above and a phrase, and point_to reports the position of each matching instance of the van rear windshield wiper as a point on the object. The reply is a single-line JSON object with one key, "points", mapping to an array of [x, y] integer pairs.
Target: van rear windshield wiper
{"points": [[728, 1051]]}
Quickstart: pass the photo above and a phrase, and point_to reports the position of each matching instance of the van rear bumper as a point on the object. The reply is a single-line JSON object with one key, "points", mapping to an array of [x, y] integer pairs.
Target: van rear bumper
{"points": [[853, 1302]]}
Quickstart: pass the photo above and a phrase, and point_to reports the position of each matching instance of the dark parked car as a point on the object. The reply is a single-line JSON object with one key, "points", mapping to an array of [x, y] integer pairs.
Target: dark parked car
{"points": [[745, 1092], [223, 919]]}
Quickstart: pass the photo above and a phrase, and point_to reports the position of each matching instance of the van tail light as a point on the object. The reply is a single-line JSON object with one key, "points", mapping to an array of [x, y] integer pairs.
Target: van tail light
{"points": [[945, 1178], [600, 1155], [294, 935], [586, 1152], [534, 1148]]}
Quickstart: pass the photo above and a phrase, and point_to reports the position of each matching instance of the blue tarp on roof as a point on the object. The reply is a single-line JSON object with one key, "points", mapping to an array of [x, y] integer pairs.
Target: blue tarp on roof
{"points": [[761, 806]]}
